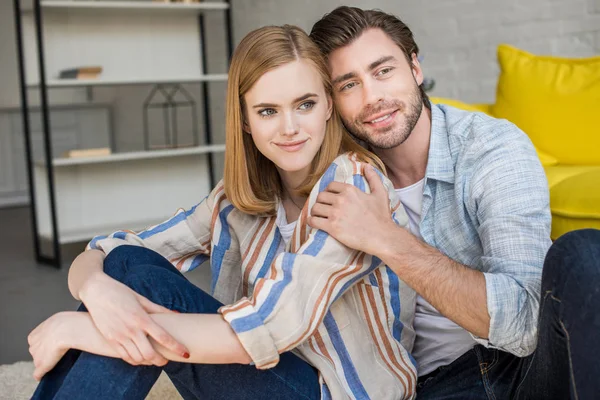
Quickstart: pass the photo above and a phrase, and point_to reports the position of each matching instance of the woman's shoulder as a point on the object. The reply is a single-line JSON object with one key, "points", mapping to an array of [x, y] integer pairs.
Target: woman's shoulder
{"points": [[354, 169], [347, 160], [348, 168], [217, 200], [217, 194], [343, 168]]}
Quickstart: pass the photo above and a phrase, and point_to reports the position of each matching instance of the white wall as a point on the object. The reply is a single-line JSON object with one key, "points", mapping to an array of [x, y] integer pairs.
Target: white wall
{"points": [[458, 38], [9, 79]]}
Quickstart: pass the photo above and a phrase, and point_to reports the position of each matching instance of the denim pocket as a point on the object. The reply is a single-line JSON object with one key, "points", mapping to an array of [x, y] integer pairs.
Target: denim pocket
{"points": [[487, 358]]}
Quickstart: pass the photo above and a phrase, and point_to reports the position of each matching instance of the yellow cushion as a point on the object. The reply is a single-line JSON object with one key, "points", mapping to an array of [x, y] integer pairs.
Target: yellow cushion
{"points": [[484, 108], [558, 173], [575, 202], [546, 159], [556, 101], [460, 104]]}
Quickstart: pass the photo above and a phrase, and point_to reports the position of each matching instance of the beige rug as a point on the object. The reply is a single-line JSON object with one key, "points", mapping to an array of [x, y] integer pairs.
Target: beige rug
{"points": [[17, 383]]}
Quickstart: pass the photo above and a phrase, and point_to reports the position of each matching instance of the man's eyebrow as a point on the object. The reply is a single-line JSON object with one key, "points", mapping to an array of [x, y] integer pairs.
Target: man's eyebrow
{"points": [[343, 78], [382, 60], [372, 66], [296, 100]]}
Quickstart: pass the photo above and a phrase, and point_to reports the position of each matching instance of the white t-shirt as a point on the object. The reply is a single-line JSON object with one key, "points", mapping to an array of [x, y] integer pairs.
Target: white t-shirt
{"points": [[285, 229], [438, 341]]}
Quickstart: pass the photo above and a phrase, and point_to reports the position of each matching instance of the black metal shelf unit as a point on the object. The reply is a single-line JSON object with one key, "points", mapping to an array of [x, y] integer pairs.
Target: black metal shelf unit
{"points": [[55, 259]]}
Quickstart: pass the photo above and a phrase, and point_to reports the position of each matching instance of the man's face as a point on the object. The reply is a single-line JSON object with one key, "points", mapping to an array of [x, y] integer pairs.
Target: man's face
{"points": [[375, 89]]}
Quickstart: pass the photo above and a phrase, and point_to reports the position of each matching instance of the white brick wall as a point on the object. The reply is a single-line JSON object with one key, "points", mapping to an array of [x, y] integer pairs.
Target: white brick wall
{"points": [[458, 38]]}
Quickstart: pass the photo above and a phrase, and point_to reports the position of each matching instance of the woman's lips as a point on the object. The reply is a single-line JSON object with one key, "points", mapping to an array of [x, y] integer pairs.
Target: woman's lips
{"points": [[291, 147]]}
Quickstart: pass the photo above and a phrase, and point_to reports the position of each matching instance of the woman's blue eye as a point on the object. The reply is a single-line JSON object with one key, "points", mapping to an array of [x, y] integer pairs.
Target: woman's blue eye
{"points": [[307, 105], [267, 112]]}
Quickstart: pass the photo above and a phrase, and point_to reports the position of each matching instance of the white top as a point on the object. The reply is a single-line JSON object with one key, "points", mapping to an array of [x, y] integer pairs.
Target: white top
{"points": [[439, 341], [285, 229]]}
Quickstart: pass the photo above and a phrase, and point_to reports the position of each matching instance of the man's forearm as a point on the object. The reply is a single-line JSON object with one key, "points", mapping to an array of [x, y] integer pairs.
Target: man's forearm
{"points": [[208, 337], [456, 291]]}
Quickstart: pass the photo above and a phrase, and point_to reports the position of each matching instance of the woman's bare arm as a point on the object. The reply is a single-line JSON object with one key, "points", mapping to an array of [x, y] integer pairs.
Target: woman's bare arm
{"points": [[208, 337], [86, 267]]}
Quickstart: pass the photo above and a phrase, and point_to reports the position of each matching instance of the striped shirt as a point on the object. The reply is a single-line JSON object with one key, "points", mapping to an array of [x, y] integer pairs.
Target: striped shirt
{"points": [[341, 310]]}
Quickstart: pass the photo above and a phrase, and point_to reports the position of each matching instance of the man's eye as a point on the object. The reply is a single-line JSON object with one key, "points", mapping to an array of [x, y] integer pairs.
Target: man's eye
{"points": [[348, 86], [307, 105], [267, 112], [384, 71]]}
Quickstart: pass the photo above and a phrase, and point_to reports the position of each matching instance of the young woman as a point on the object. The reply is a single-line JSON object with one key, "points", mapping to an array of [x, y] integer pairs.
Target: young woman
{"points": [[306, 317]]}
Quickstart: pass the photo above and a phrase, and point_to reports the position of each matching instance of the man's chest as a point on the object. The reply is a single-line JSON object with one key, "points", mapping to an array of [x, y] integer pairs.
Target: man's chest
{"points": [[450, 225]]}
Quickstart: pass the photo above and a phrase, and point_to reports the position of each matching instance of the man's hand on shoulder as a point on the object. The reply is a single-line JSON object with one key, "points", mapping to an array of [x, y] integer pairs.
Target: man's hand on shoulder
{"points": [[359, 220], [363, 221]]}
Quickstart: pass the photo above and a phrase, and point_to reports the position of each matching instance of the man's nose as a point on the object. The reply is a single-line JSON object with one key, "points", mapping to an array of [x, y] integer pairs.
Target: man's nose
{"points": [[372, 93]]}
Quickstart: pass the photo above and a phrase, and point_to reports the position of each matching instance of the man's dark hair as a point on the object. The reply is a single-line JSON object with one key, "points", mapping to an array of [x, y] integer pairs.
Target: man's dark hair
{"points": [[345, 24]]}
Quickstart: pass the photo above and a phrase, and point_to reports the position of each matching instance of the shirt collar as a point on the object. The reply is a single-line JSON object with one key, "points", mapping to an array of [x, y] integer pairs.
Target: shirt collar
{"points": [[440, 164]]}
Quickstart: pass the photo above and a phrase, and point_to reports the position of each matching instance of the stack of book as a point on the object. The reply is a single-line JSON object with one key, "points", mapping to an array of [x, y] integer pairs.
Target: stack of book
{"points": [[84, 153], [91, 72]]}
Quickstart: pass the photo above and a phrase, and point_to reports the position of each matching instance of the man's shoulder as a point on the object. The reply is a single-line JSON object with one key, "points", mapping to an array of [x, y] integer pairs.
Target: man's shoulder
{"points": [[476, 133]]}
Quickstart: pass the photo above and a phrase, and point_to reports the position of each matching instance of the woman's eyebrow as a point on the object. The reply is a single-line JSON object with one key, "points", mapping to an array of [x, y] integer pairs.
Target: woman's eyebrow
{"points": [[296, 100]]}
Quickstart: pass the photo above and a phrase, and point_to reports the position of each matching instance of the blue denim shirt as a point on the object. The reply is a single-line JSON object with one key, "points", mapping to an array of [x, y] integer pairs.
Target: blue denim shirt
{"points": [[486, 205]]}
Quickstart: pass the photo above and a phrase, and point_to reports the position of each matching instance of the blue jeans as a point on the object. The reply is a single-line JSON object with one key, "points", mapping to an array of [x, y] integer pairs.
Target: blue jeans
{"points": [[81, 375], [566, 363]]}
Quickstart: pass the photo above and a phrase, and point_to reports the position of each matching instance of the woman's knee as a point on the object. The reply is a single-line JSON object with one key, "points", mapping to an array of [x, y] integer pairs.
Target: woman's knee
{"points": [[123, 259], [148, 282]]}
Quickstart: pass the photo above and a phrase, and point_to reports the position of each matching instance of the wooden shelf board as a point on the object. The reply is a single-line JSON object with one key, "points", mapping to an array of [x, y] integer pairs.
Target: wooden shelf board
{"points": [[72, 83], [136, 155], [133, 5]]}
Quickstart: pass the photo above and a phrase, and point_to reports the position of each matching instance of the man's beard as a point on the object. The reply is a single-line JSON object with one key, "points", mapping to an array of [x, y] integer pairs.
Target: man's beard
{"points": [[392, 136]]}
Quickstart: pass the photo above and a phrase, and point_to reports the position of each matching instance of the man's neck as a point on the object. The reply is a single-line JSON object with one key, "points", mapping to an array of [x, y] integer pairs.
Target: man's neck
{"points": [[406, 163]]}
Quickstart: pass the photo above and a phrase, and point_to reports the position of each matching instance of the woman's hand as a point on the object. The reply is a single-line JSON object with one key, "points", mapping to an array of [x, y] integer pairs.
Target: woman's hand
{"points": [[48, 343], [122, 317]]}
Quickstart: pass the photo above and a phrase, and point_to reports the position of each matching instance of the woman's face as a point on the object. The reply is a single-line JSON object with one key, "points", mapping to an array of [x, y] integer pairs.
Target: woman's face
{"points": [[286, 113]]}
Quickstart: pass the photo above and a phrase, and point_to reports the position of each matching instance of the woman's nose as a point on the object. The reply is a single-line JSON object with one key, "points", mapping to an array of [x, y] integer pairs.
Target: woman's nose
{"points": [[290, 126]]}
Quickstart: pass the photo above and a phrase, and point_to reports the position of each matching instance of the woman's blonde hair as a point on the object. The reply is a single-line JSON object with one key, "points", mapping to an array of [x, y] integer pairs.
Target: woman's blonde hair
{"points": [[252, 183]]}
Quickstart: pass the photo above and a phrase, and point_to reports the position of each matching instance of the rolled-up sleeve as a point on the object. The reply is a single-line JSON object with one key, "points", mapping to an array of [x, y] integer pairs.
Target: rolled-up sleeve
{"points": [[289, 304], [184, 239], [509, 192]]}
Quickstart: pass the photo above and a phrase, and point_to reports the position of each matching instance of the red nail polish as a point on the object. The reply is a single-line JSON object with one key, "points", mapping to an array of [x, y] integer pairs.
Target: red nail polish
{"points": [[186, 355], [176, 311]]}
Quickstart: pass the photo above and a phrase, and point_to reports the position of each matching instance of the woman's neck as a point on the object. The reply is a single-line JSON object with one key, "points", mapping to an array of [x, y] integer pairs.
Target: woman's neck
{"points": [[292, 201]]}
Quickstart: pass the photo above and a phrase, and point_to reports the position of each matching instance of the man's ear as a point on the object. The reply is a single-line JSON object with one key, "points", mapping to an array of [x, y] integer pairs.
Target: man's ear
{"points": [[416, 69], [329, 107]]}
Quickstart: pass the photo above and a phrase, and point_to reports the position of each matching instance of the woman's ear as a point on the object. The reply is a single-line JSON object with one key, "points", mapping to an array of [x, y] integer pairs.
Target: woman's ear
{"points": [[329, 106], [245, 124], [246, 127]]}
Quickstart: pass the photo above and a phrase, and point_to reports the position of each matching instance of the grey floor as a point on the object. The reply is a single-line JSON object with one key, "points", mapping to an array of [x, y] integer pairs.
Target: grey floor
{"points": [[30, 292]]}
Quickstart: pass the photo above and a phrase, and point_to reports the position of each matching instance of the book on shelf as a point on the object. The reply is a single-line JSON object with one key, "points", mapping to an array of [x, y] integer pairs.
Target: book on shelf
{"points": [[82, 153], [80, 73]]}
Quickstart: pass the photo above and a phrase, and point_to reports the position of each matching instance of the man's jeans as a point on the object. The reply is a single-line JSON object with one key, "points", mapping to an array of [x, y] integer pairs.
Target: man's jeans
{"points": [[566, 363], [88, 376]]}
